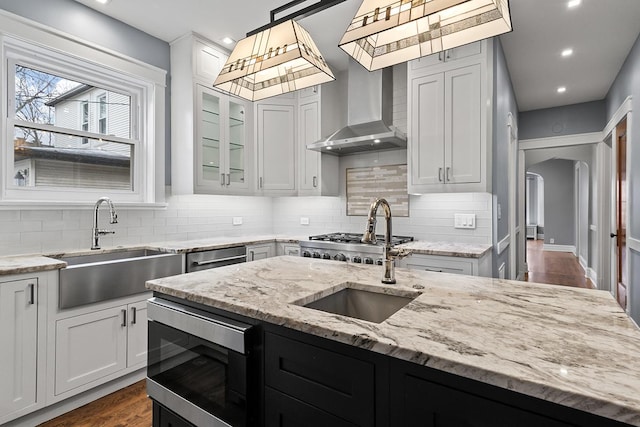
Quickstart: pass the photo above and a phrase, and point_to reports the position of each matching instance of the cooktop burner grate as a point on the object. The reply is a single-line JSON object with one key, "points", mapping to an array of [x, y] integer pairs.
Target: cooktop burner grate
{"points": [[355, 238]]}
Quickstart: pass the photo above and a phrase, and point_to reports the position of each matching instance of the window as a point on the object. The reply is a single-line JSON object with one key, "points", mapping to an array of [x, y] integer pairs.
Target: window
{"points": [[74, 128]]}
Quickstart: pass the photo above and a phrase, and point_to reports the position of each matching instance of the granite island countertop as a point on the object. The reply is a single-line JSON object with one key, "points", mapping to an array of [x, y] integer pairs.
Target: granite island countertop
{"points": [[461, 250], [574, 347]]}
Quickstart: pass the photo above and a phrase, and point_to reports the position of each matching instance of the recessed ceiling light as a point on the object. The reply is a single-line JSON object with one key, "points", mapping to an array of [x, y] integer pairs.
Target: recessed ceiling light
{"points": [[562, 89], [376, 141], [574, 3], [329, 148], [103, 1], [567, 52], [228, 40]]}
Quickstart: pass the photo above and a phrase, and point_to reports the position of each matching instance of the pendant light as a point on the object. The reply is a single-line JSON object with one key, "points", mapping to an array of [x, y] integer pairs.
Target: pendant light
{"points": [[388, 32], [278, 58]]}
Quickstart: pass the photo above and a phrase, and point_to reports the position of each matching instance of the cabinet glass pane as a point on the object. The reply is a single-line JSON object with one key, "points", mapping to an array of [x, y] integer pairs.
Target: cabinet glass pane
{"points": [[210, 137], [236, 142]]}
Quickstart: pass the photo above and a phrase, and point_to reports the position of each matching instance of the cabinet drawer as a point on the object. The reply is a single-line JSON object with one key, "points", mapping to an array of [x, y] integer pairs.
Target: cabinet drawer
{"points": [[341, 385], [438, 264], [285, 411]]}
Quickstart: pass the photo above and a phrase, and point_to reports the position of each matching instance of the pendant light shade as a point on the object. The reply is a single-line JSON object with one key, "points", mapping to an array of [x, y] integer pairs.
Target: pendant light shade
{"points": [[388, 32], [280, 59]]}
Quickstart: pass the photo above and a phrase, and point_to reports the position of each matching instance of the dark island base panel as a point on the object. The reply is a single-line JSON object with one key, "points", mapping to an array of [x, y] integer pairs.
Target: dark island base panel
{"points": [[316, 382]]}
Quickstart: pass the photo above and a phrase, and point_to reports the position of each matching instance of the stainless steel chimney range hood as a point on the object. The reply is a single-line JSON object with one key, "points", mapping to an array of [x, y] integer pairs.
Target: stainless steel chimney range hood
{"points": [[370, 112]]}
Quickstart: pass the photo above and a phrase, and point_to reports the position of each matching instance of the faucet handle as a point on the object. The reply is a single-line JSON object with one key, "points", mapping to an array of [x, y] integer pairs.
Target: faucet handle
{"points": [[399, 253]]}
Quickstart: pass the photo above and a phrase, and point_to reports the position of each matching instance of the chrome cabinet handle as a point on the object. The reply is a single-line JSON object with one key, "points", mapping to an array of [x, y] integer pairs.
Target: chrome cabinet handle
{"points": [[432, 269], [124, 317], [447, 177], [214, 261], [315, 182], [439, 56], [448, 54], [32, 293], [221, 179], [134, 313], [228, 179], [260, 183], [440, 174]]}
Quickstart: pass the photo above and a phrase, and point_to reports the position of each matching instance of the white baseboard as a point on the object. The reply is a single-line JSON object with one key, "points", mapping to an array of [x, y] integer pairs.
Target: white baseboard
{"points": [[559, 248], [540, 236], [583, 263], [634, 244], [593, 276]]}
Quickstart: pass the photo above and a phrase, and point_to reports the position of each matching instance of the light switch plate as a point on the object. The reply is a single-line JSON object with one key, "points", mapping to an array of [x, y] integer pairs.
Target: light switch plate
{"points": [[237, 220], [465, 221], [304, 220]]}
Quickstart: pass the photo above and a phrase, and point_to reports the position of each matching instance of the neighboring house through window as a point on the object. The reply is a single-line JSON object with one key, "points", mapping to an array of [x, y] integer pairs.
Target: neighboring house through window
{"points": [[85, 120], [102, 114]]}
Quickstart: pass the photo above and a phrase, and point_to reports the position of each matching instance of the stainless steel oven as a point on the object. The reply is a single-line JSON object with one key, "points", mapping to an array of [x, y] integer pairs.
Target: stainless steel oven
{"points": [[215, 258], [200, 365]]}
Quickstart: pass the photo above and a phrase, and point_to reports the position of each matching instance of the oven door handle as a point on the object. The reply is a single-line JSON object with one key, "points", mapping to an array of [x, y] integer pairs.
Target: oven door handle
{"points": [[215, 261], [222, 331]]}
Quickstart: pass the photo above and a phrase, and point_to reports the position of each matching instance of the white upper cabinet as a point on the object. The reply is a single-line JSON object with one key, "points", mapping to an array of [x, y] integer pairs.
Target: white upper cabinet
{"points": [[211, 132], [222, 152], [449, 126], [276, 146], [449, 55]]}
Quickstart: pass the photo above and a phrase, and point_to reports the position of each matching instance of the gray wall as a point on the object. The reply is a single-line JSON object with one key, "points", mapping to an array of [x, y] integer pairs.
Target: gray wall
{"points": [[627, 83], [559, 209], [566, 120], [105, 31], [504, 103]]}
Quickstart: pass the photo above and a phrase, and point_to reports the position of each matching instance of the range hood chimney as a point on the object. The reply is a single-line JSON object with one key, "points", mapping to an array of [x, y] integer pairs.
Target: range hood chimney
{"points": [[369, 111]]}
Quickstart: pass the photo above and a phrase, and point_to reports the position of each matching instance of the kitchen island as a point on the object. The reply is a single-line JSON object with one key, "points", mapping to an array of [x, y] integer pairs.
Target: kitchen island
{"points": [[572, 347]]}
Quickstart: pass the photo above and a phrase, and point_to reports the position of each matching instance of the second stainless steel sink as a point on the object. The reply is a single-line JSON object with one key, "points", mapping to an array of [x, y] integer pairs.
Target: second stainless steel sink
{"points": [[96, 277], [370, 305]]}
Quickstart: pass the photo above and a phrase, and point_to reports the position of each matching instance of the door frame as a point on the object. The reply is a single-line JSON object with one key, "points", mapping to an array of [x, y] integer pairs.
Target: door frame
{"points": [[608, 253], [515, 232], [592, 138]]}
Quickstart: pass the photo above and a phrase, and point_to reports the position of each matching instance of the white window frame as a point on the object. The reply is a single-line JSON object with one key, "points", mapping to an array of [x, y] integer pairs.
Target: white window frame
{"points": [[45, 49], [99, 113]]}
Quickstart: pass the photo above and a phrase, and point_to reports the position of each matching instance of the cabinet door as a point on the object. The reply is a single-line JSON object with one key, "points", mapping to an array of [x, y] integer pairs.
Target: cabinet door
{"points": [[426, 147], [137, 334], [438, 264], [257, 252], [89, 347], [208, 61], [18, 353], [419, 402], [285, 411], [463, 138], [309, 131], [236, 153], [276, 147], [209, 166], [289, 249]]}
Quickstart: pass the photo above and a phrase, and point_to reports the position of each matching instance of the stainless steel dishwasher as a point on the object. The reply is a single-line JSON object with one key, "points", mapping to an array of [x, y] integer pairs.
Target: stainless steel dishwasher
{"points": [[215, 258]]}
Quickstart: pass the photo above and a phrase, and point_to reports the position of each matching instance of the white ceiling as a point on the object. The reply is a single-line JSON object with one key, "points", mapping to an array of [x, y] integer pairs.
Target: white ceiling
{"points": [[601, 33]]}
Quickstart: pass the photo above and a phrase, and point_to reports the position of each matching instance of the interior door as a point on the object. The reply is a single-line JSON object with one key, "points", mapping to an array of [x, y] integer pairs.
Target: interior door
{"points": [[621, 213]]}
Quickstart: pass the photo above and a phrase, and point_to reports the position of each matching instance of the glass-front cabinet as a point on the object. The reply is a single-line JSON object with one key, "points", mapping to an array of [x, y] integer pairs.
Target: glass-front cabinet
{"points": [[221, 142]]}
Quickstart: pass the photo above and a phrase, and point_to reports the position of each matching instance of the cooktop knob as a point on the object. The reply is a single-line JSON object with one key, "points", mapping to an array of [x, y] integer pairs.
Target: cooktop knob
{"points": [[340, 257], [316, 254], [356, 259], [379, 261], [306, 254], [326, 256], [368, 260]]}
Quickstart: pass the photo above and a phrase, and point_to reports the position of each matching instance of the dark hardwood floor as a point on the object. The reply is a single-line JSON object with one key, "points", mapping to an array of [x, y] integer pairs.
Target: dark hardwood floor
{"points": [[556, 268], [129, 407]]}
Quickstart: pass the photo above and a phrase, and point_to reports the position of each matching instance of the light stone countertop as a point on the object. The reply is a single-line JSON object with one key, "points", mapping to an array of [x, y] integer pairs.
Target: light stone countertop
{"points": [[574, 347], [462, 250], [28, 264]]}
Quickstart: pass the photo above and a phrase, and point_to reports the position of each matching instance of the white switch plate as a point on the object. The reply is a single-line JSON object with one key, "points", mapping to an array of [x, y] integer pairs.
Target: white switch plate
{"points": [[304, 220], [465, 221], [237, 220]]}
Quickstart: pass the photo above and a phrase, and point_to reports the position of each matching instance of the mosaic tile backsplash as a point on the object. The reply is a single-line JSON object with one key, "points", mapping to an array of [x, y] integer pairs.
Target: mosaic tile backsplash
{"points": [[365, 184]]}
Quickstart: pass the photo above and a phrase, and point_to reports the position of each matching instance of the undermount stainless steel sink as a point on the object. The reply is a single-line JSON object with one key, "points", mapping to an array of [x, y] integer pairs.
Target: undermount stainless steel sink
{"points": [[363, 304], [98, 277]]}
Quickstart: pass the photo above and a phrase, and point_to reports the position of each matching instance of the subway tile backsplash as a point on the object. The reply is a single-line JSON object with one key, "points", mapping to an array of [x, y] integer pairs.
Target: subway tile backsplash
{"points": [[199, 216]]}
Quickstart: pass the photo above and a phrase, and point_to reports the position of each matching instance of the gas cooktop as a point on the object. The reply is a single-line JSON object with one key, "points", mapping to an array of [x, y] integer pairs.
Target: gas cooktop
{"points": [[355, 238]]}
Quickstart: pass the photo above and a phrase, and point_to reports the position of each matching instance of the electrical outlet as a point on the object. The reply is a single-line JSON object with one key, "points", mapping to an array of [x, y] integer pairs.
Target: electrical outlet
{"points": [[304, 221], [237, 220], [465, 221], [552, 241]]}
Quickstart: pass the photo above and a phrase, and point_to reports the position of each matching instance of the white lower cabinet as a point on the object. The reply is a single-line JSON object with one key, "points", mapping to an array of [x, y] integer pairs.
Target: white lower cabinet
{"points": [[19, 354], [291, 249], [94, 346], [262, 251], [448, 264]]}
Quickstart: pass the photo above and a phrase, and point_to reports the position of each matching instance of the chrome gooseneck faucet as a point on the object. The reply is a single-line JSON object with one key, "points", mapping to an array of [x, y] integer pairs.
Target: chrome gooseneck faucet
{"points": [[369, 236], [96, 231]]}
